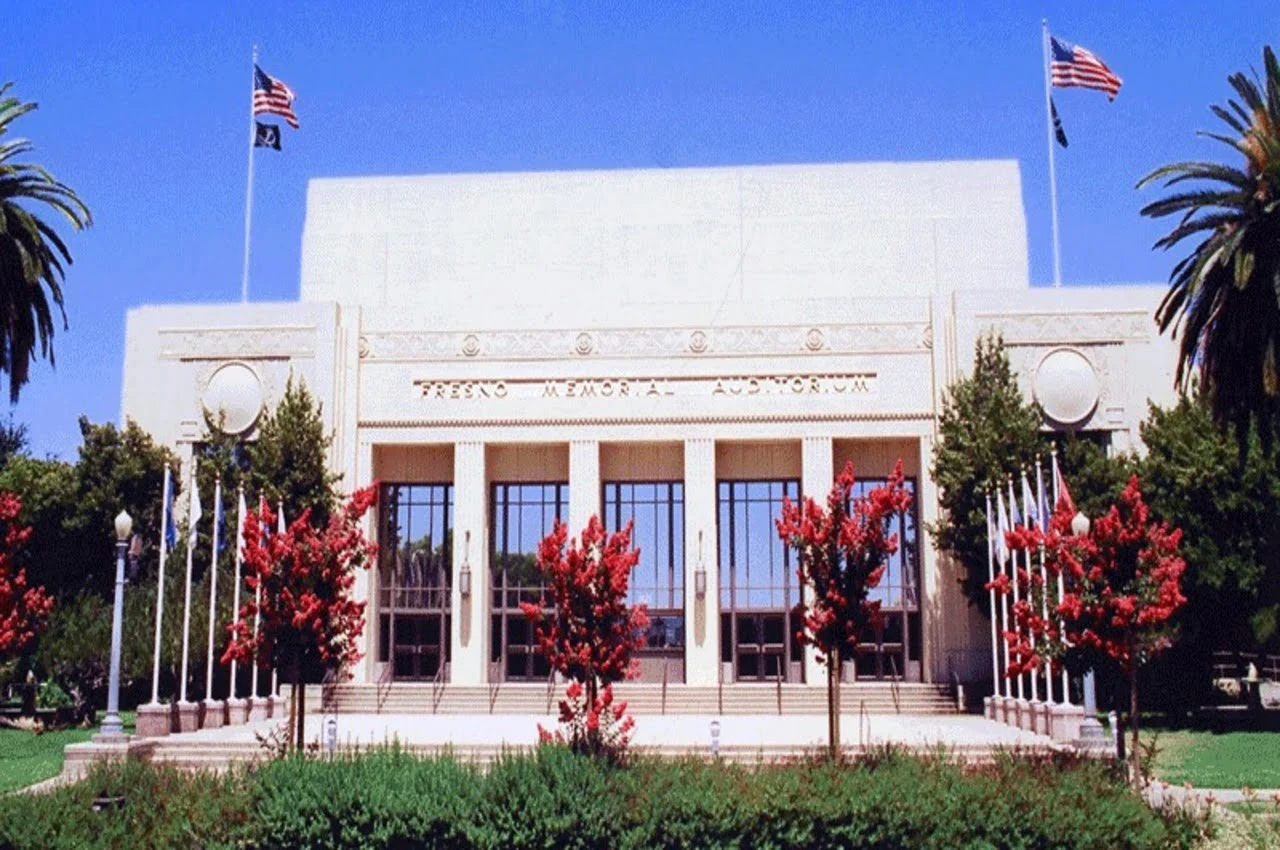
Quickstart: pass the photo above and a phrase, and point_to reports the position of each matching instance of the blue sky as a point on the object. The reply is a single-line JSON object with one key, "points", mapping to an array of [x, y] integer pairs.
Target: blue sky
{"points": [[143, 110]]}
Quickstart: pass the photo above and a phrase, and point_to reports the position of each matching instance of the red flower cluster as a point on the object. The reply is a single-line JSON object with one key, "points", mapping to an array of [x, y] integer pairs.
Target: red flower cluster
{"points": [[1123, 583], [842, 553], [305, 575], [599, 728], [587, 631], [24, 610]]}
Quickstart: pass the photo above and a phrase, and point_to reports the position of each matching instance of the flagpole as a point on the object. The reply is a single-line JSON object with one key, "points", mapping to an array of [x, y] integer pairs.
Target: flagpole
{"points": [[1014, 560], [991, 574], [1004, 609], [235, 595], [1053, 171], [1062, 625], [186, 605], [165, 519], [248, 193], [213, 585], [1026, 522]]}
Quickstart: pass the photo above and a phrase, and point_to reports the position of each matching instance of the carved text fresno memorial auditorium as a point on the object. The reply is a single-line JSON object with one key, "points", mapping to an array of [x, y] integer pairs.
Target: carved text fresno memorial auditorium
{"points": [[679, 347]]}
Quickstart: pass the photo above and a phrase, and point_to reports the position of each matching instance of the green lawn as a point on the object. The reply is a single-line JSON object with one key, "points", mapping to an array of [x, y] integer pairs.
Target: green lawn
{"points": [[1218, 760], [27, 758]]}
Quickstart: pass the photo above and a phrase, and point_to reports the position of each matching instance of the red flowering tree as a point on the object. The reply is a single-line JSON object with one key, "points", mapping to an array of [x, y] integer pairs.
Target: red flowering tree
{"points": [[842, 551], [588, 633], [308, 617], [1123, 583], [24, 610]]}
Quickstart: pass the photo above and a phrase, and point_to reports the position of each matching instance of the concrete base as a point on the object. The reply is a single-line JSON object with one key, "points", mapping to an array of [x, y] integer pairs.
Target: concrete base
{"points": [[259, 709], [215, 714], [1039, 721], [989, 709], [1094, 739], [279, 707], [188, 717], [1026, 721], [154, 720], [237, 711], [1064, 722]]}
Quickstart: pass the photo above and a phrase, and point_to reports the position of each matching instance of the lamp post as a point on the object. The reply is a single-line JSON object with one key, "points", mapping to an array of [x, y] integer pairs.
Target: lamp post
{"points": [[112, 726], [1092, 735]]}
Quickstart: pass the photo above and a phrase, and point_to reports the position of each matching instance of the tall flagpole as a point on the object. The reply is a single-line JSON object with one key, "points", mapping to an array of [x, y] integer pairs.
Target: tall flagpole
{"points": [[1053, 171], [1062, 625], [213, 584], [235, 597], [1026, 523], [186, 603], [248, 188], [165, 519], [991, 575]]}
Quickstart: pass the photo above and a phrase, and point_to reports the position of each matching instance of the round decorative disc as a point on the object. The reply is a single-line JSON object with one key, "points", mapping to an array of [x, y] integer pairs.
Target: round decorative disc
{"points": [[233, 398], [1066, 386]]}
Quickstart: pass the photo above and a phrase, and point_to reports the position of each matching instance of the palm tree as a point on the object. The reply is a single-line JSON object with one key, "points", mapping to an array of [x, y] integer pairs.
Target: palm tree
{"points": [[1224, 297], [32, 253]]}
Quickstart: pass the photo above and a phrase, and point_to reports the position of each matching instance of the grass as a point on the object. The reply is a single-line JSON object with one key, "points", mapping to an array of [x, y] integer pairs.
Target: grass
{"points": [[1218, 760], [27, 758]]}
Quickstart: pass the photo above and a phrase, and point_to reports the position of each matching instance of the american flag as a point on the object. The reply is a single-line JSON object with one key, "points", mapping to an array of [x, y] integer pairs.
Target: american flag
{"points": [[273, 97], [1073, 66]]}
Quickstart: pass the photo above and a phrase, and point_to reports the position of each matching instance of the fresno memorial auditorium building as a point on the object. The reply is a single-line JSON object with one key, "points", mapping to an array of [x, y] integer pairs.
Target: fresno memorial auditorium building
{"points": [[679, 347]]}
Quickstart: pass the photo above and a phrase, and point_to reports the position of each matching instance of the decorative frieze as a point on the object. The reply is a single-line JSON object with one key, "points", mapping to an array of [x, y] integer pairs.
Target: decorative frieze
{"points": [[255, 343], [733, 341], [1071, 328]]}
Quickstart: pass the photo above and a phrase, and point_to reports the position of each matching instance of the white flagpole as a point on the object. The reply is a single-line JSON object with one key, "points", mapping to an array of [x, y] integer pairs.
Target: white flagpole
{"points": [[1062, 626], [1044, 572], [164, 551], [1026, 522], [186, 605], [213, 585], [235, 597], [275, 672], [991, 574], [1004, 609], [1053, 172], [248, 192], [257, 617], [1014, 560]]}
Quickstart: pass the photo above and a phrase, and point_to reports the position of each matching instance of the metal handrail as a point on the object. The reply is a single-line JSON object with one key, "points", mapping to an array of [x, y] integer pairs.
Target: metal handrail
{"points": [[778, 679], [551, 685], [437, 687], [385, 678], [893, 686], [664, 685]]}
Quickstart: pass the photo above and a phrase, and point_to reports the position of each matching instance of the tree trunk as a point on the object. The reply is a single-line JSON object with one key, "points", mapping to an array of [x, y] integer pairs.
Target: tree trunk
{"points": [[298, 708], [1134, 755], [833, 704]]}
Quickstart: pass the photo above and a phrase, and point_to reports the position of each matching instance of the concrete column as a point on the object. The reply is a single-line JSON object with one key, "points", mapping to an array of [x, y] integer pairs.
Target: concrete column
{"points": [[584, 484], [817, 462], [932, 664], [366, 583], [470, 648], [702, 612]]}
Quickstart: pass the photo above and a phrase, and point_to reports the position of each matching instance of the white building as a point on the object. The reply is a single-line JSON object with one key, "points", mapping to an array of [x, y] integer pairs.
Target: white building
{"points": [[679, 346]]}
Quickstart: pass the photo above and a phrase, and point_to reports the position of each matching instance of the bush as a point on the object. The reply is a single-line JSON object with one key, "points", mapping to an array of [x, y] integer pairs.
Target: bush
{"points": [[555, 799]]}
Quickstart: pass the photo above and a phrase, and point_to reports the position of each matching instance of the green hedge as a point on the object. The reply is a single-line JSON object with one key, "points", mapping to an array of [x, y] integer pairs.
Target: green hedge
{"points": [[557, 800]]}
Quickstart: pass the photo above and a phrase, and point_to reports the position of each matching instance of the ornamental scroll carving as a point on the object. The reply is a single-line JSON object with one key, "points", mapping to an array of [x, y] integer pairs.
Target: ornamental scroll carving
{"points": [[1071, 328], [289, 341], [868, 338]]}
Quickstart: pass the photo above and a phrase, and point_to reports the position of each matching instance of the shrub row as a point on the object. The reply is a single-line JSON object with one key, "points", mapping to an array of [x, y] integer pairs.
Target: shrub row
{"points": [[557, 800]]}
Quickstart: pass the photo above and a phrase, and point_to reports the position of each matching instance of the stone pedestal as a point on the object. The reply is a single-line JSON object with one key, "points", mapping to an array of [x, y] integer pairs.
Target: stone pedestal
{"points": [[259, 709], [215, 714], [154, 720], [1094, 739], [188, 717], [237, 711], [279, 707], [989, 709], [1038, 717], [1064, 722]]}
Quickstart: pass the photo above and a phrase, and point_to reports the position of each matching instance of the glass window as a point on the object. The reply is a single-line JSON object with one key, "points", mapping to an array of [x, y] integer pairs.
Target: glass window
{"points": [[415, 550], [657, 580], [899, 587], [756, 569], [523, 514]]}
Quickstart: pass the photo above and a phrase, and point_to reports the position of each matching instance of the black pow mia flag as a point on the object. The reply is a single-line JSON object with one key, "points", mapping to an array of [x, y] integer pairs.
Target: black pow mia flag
{"points": [[267, 135]]}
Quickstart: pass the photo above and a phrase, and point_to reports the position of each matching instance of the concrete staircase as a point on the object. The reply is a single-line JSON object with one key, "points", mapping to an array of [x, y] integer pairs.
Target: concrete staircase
{"points": [[642, 699]]}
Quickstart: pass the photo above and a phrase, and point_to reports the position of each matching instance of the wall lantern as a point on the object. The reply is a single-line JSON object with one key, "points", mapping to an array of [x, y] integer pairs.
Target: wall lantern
{"points": [[700, 574], [464, 575]]}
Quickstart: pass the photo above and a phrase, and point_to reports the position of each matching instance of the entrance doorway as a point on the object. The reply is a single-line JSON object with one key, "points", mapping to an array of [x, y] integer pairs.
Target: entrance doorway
{"points": [[414, 577]]}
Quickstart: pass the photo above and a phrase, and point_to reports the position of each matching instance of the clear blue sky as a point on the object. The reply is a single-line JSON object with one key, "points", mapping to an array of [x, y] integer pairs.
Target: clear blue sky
{"points": [[143, 111]]}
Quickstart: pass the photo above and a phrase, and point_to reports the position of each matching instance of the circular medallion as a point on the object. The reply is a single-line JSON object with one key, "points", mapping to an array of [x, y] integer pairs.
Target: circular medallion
{"points": [[698, 342], [233, 398], [584, 344], [814, 340], [364, 347], [1066, 386], [471, 345]]}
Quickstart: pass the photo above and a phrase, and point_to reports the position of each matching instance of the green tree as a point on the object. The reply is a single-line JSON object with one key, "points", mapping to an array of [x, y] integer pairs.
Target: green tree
{"points": [[988, 432], [13, 440], [1095, 476], [47, 488], [288, 460], [32, 254], [1222, 295], [1225, 503]]}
